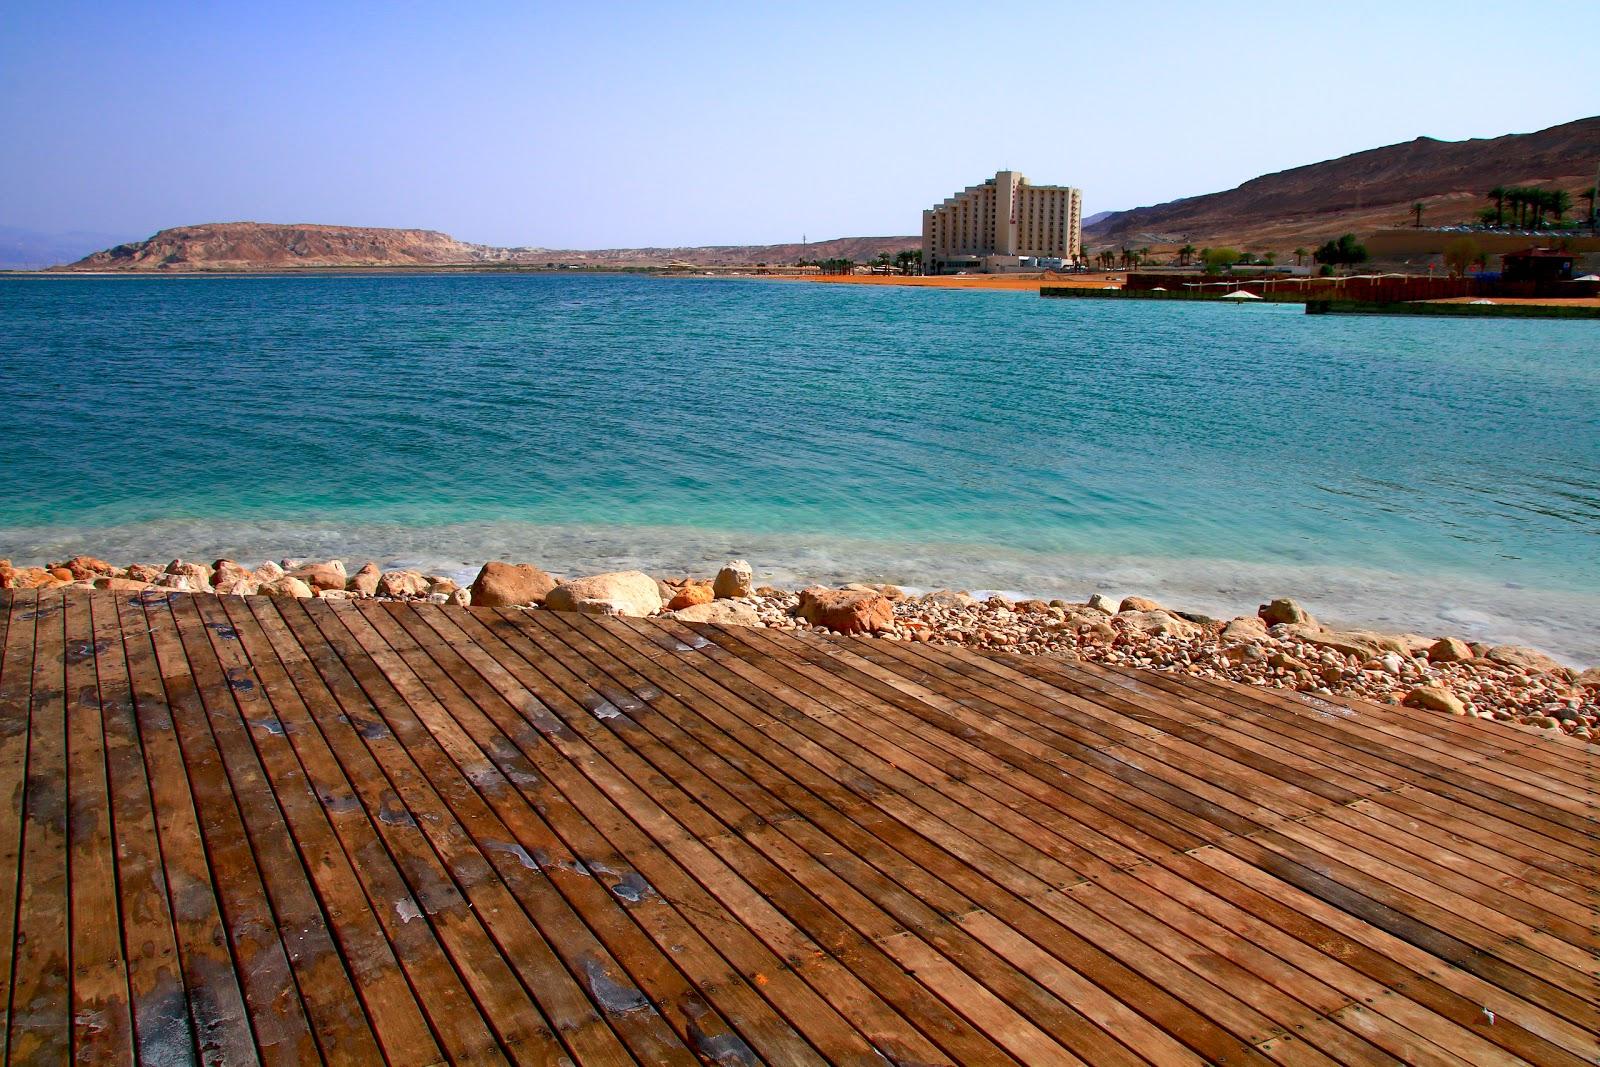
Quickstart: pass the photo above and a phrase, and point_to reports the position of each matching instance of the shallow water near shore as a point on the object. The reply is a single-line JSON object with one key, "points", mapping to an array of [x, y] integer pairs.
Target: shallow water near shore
{"points": [[1403, 474]]}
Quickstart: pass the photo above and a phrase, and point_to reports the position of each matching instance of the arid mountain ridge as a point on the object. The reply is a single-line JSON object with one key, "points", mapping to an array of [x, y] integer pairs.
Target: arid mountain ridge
{"points": [[1358, 193], [1365, 191], [244, 246]]}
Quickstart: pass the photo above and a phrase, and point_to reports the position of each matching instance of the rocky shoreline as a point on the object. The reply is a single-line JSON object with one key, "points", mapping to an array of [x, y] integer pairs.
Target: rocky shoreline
{"points": [[1281, 646]]}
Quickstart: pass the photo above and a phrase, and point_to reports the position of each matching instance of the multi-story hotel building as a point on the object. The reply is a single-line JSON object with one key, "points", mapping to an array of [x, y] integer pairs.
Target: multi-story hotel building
{"points": [[991, 226]]}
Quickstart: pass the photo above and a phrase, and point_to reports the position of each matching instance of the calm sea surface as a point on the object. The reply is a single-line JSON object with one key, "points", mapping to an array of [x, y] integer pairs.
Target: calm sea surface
{"points": [[1405, 473]]}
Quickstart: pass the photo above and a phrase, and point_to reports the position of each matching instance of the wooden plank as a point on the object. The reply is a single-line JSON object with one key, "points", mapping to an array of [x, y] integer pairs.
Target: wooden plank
{"points": [[595, 827], [827, 865], [1522, 1026], [272, 997], [546, 943], [378, 985], [1387, 906], [1417, 756], [41, 1028], [841, 851], [291, 688], [432, 892], [160, 1005], [1429, 778], [627, 912], [1168, 933], [863, 984], [1117, 741], [16, 686], [218, 1013], [102, 1021], [229, 697]]}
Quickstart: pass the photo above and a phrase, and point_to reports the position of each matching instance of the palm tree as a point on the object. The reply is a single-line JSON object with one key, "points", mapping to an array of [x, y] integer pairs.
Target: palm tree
{"points": [[1144, 254], [1417, 209], [1517, 197], [1499, 194], [1560, 202], [1185, 254], [1590, 194], [1299, 256]]}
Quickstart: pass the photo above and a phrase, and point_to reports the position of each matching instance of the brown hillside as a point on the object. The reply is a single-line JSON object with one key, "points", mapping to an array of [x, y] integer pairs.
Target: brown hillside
{"points": [[1364, 192], [268, 246], [246, 246]]}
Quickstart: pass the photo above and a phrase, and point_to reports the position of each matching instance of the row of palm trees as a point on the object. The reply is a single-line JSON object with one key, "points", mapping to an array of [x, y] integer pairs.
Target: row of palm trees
{"points": [[1530, 205]]}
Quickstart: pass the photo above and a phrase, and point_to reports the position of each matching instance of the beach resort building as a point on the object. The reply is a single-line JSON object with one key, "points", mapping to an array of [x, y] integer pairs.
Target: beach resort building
{"points": [[992, 227]]}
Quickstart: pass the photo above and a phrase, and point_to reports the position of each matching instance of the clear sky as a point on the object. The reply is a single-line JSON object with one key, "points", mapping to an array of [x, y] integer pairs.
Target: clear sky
{"points": [[598, 124]]}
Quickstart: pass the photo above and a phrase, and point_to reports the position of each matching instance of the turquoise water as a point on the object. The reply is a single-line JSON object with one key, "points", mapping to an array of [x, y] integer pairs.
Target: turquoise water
{"points": [[1429, 474]]}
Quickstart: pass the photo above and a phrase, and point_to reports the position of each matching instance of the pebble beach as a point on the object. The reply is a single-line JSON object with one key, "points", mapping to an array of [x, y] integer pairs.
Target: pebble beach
{"points": [[1282, 645]]}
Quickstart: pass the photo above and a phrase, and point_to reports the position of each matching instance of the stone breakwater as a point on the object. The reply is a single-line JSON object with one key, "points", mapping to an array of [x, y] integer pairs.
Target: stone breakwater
{"points": [[1282, 645]]}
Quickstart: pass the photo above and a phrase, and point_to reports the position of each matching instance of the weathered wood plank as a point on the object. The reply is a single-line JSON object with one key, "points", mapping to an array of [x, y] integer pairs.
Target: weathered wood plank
{"points": [[244, 829], [273, 998], [102, 1021], [16, 687], [41, 1030], [546, 943], [160, 1005], [430, 891], [215, 996], [628, 911], [424, 968]]}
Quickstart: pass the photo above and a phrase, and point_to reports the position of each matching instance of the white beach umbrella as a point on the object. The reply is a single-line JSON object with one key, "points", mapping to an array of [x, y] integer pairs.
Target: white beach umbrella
{"points": [[1240, 294], [1588, 278]]}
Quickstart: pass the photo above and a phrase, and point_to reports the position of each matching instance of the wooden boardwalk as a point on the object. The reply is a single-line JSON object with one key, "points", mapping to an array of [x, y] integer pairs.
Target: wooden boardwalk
{"points": [[291, 831]]}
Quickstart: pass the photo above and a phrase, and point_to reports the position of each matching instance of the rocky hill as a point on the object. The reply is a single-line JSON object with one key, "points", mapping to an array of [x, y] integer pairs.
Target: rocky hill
{"points": [[1364, 192], [266, 246], [248, 246]]}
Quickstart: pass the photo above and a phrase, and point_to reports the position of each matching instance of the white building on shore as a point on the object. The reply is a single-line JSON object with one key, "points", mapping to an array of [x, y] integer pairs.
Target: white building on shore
{"points": [[993, 226]]}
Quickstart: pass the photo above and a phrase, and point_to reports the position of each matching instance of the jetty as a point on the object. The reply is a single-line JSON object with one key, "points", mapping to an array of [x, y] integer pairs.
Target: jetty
{"points": [[254, 829]]}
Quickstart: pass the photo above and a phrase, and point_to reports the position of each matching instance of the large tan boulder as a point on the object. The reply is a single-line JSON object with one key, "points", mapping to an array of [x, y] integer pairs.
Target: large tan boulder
{"points": [[1103, 604], [403, 584], [1137, 603], [198, 575], [1157, 624], [226, 570], [734, 580], [1245, 628], [845, 611], [235, 585], [285, 585], [1588, 679], [185, 583], [631, 593], [323, 576], [142, 572], [1435, 698], [267, 572], [720, 612], [365, 580], [1529, 659], [510, 585], [1286, 612], [948, 598], [1345, 643], [1449, 650]]}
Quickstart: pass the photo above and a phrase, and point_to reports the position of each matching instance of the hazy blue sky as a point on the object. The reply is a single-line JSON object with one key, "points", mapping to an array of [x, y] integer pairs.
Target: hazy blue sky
{"points": [[601, 124]]}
